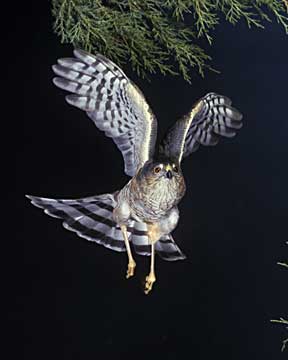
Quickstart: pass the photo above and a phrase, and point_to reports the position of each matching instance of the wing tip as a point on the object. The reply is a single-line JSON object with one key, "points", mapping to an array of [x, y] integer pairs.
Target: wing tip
{"points": [[70, 99], [58, 69], [79, 53], [59, 82], [240, 116], [74, 100]]}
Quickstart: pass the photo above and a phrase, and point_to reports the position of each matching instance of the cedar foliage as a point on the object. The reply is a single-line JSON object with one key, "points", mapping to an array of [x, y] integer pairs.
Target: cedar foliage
{"points": [[282, 320], [157, 35]]}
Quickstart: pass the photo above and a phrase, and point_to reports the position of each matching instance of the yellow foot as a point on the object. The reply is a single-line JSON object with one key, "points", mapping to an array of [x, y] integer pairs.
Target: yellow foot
{"points": [[131, 268], [150, 279]]}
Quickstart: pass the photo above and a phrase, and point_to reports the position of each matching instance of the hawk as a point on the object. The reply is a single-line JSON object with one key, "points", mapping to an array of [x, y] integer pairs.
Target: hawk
{"points": [[144, 212]]}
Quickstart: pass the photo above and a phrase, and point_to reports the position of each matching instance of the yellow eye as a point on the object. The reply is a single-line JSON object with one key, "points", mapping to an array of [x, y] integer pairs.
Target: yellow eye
{"points": [[157, 169]]}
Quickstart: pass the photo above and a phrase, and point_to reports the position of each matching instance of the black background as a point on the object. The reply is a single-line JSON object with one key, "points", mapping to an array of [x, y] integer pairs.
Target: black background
{"points": [[71, 299]]}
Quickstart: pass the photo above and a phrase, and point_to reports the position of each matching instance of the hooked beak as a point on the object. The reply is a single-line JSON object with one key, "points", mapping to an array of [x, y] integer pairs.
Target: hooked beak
{"points": [[168, 169], [169, 174]]}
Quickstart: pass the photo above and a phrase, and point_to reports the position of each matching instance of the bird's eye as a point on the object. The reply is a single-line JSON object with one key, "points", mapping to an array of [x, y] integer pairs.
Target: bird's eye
{"points": [[157, 169], [175, 168]]}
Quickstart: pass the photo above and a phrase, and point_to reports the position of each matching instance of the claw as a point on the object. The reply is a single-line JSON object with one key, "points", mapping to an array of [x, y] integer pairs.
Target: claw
{"points": [[150, 279], [130, 270]]}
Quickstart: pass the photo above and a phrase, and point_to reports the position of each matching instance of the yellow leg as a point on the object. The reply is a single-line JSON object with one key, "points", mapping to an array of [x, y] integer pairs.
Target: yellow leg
{"points": [[131, 262], [151, 278]]}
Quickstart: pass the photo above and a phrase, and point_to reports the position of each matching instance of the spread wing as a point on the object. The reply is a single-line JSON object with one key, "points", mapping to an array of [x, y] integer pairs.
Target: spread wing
{"points": [[209, 119], [113, 102]]}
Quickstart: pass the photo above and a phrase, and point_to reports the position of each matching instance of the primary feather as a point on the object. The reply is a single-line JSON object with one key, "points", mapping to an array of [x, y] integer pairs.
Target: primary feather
{"points": [[113, 102], [209, 119]]}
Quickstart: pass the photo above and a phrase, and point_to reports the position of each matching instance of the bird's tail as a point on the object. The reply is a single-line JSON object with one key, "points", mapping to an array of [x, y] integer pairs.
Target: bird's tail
{"points": [[92, 219]]}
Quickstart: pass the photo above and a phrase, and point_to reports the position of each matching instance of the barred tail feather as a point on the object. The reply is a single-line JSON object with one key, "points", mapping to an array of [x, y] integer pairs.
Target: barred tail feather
{"points": [[140, 239], [165, 247], [168, 250], [92, 219]]}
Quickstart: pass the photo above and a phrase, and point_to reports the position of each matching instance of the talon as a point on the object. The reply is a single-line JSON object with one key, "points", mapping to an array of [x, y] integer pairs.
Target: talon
{"points": [[130, 270], [150, 279]]}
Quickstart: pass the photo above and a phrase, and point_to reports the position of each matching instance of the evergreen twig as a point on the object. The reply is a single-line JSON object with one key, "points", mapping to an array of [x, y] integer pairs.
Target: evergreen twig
{"points": [[282, 320], [155, 35], [285, 322]]}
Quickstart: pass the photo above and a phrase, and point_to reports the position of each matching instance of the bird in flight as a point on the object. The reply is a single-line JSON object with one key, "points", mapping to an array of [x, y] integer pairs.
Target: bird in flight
{"points": [[144, 212]]}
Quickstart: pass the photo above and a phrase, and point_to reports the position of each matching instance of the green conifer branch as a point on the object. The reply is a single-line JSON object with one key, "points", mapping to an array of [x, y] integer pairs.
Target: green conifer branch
{"points": [[282, 320], [155, 35]]}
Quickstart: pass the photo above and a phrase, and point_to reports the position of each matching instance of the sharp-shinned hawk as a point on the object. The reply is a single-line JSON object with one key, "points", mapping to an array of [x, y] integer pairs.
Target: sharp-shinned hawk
{"points": [[144, 212]]}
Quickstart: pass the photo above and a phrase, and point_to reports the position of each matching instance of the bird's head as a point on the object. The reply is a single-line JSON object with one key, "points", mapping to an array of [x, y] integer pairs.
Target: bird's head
{"points": [[165, 169]]}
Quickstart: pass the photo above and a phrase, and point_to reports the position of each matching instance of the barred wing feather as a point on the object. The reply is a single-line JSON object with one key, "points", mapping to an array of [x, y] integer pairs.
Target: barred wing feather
{"points": [[210, 119], [113, 102]]}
